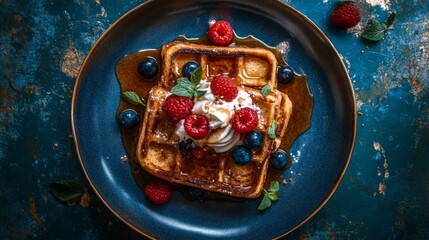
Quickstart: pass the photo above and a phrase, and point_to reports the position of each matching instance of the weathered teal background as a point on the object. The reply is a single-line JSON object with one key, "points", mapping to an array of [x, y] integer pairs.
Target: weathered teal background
{"points": [[384, 194]]}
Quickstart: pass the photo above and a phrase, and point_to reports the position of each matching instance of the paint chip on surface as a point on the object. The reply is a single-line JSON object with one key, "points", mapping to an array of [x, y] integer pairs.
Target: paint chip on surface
{"points": [[72, 60], [33, 212], [384, 4], [376, 146], [85, 200], [382, 188]]}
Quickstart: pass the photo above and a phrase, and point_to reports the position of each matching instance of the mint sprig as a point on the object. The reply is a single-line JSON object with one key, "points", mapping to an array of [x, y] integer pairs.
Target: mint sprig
{"points": [[270, 195], [266, 90], [375, 30], [67, 190], [187, 87], [272, 130], [133, 98]]}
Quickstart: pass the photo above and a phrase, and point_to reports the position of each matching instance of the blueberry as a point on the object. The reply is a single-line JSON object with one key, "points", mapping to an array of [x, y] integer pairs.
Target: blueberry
{"points": [[241, 155], [128, 118], [253, 139], [186, 146], [278, 159], [148, 68], [285, 74], [195, 193], [189, 68]]}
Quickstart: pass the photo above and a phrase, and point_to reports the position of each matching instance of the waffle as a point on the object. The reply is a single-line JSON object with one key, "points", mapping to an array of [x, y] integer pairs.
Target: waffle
{"points": [[157, 149]]}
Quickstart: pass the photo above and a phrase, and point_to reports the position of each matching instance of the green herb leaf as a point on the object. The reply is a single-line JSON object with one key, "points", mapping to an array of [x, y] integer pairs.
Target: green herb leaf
{"points": [[185, 82], [132, 98], [67, 190], [179, 90], [272, 130], [266, 203], [266, 90], [188, 88], [273, 196], [375, 30], [196, 76], [390, 19], [200, 93], [274, 186]]}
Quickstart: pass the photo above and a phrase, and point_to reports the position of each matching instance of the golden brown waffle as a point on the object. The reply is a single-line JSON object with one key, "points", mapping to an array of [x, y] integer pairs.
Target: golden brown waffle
{"points": [[157, 149]]}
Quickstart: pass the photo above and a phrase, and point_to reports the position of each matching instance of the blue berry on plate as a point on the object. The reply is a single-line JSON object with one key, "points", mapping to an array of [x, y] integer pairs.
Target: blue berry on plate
{"points": [[285, 74], [186, 146], [195, 193], [189, 68], [278, 159], [253, 139], [241, 155], [148, 68], [128, 118]]}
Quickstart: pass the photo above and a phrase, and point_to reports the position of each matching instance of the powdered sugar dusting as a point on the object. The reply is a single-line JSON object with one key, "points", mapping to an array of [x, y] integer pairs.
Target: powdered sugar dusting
{"points": [[356, 30], [283, 47]]}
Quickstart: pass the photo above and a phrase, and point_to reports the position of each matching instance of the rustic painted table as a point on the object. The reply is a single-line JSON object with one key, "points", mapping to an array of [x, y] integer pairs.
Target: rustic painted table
{"points": [[384, 194]]}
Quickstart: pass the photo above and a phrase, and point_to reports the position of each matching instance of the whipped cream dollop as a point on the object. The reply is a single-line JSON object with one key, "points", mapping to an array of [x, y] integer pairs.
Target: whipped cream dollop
{"points": [[222, 136]]}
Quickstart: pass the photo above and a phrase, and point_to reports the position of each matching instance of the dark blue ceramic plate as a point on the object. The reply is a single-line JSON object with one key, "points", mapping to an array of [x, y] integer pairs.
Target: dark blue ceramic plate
{"points": [[320, 157]]}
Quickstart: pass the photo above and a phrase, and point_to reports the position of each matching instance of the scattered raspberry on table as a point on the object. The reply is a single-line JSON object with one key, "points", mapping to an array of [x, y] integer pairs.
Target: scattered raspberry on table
{"points": [[346, 15]]}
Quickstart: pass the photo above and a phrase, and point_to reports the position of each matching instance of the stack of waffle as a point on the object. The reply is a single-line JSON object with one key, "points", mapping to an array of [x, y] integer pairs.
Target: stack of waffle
{"points": [[251, 69]]}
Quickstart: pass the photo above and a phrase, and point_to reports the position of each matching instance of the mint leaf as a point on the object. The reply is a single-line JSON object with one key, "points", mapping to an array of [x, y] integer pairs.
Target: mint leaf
{"points": [[179, 90], [266, 90], [274, 186], [390, 19], [273, 196], [67, 190], [272, 130], [188, 88], [185, 82], [266, 203], [133, 98], [375, 30], [196, 76], [200, 93]]}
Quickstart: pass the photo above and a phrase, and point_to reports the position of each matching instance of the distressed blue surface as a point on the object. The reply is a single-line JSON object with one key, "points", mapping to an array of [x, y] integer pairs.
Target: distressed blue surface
{"points": [[384, 194]]}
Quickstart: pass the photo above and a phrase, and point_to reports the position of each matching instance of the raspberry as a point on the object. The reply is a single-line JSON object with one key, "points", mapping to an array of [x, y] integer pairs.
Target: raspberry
{"points": [[177, 107], [220, 33], [346, 15], [199, 153], [224, 88], [158, 192], [196, 126], [245, 120]]}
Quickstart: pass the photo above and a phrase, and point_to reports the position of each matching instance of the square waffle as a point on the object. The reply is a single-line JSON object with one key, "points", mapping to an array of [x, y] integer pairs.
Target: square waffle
{"points": [[157, 148]]}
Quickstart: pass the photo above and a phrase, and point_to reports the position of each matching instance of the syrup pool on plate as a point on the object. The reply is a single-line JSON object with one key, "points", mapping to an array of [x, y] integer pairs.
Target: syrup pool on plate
{"points": [[130, 79]]}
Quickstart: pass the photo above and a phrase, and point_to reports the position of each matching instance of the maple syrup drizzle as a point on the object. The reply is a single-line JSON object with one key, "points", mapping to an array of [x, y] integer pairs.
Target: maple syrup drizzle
{"points": [[130, 80]]}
